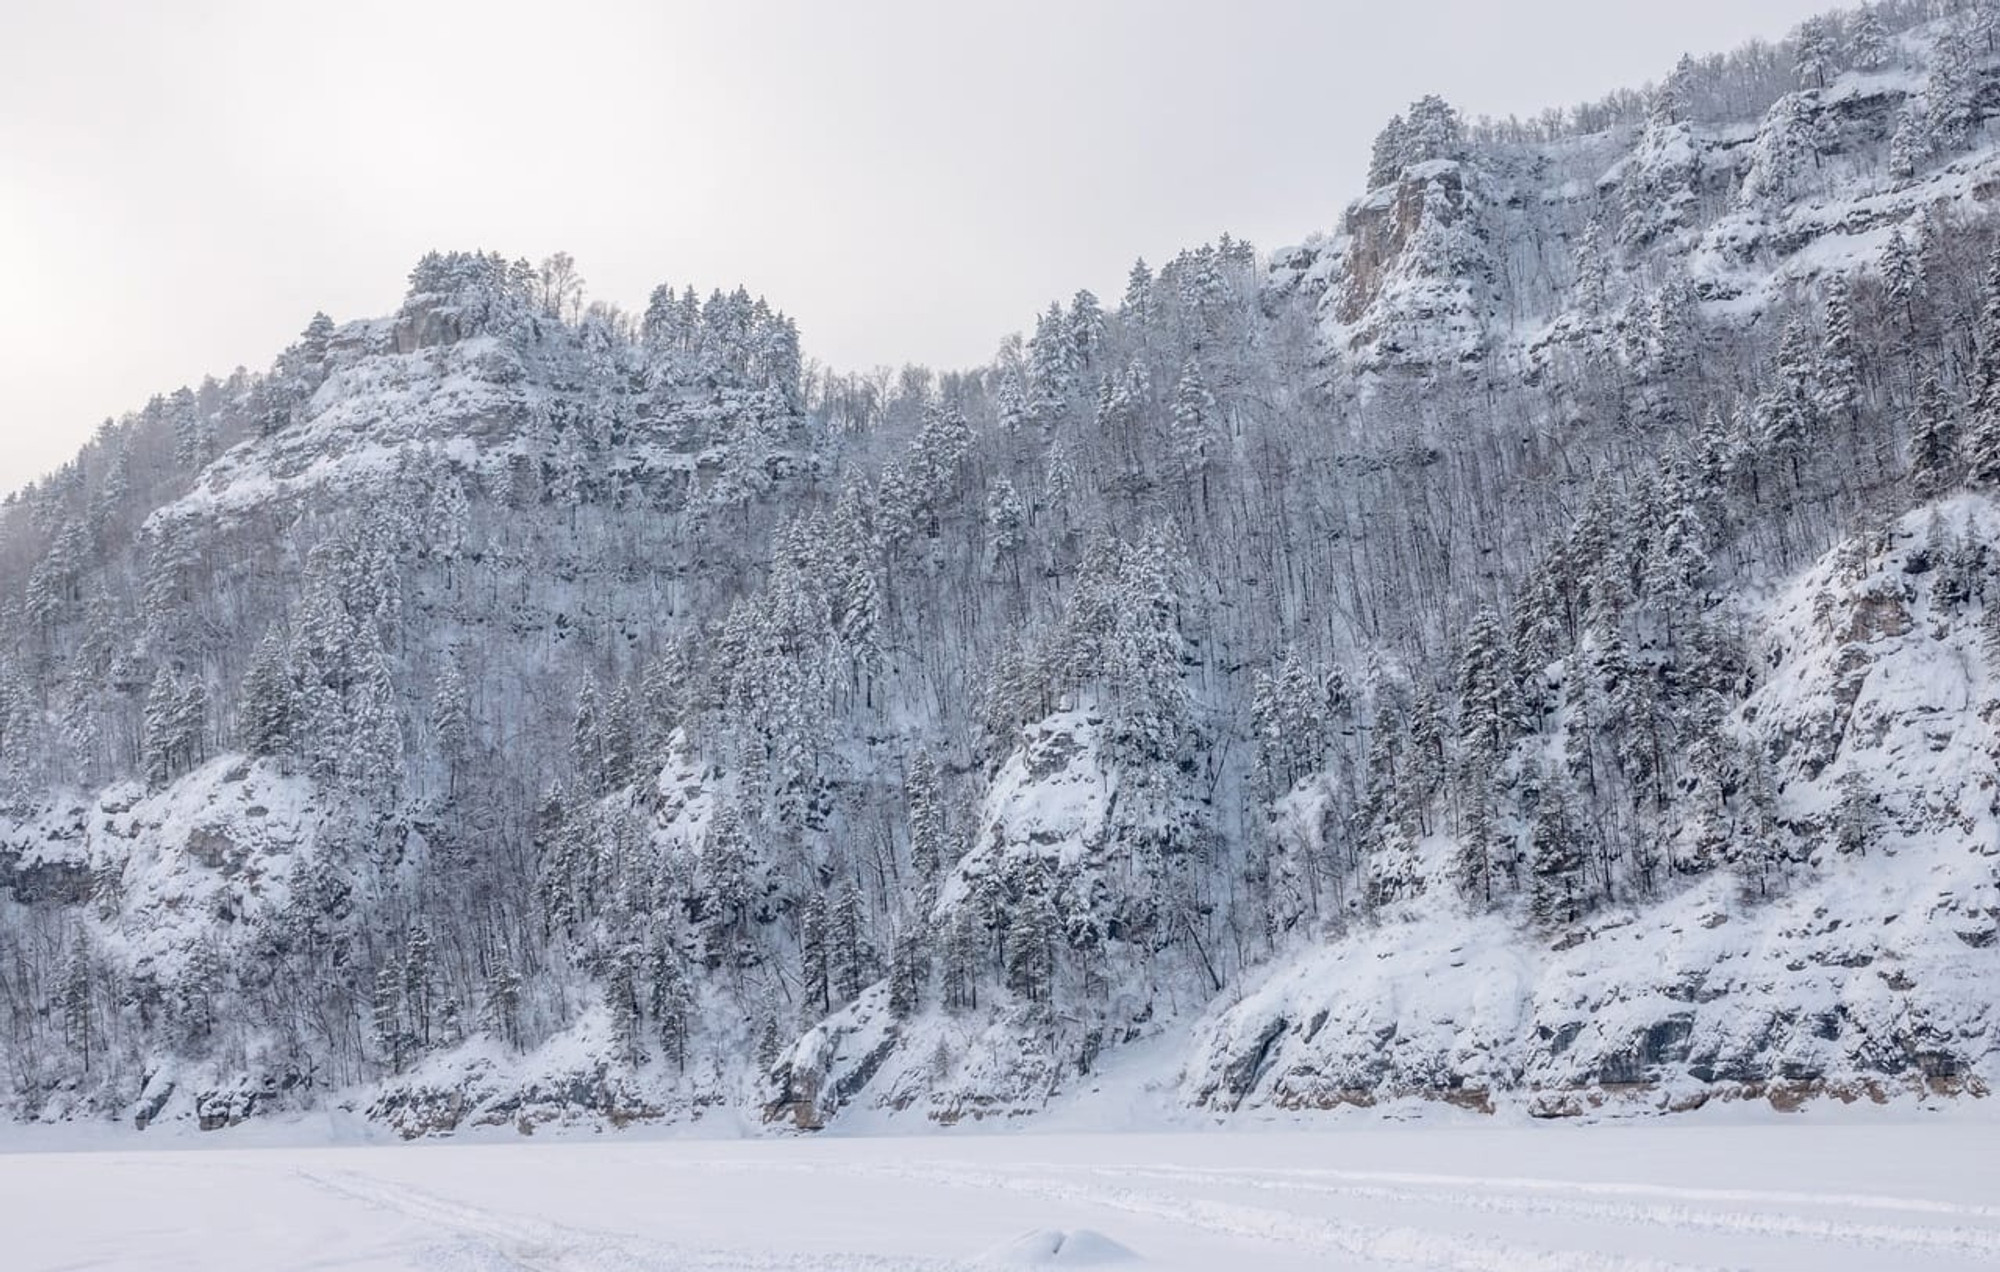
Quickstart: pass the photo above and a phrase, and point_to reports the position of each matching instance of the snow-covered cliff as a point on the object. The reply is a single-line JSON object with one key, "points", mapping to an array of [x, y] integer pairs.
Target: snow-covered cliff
{"points": [[1530, 645]]}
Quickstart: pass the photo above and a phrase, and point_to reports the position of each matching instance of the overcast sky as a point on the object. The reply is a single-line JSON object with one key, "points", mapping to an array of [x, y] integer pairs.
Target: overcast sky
{"points": [[182, 184]]}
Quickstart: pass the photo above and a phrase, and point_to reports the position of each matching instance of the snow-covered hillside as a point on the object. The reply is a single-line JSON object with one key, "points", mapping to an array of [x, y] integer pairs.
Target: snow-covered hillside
{"points": [[1530, 647], [1870, 973]]}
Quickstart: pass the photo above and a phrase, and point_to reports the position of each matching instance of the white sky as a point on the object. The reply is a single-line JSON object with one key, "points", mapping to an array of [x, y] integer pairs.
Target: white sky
{"points": [[182, 184]]}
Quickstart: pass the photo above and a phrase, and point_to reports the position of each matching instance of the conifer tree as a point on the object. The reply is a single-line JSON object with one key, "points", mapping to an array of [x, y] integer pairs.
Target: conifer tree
{"points": [[1934, 461], [451, 719], [848, 950], [1948, 96], [419, 984], [173, 723], [1556, 860], [500, 1014], [1981, 441], [962, 943], [1592, 286], [390, 1038], [76, 998], [929, 850], [267, 699], [1815, 50], [1902, 276], [586, 748], [1032, 933], [672, 1005], [1194, 424], [1868, 41], [1389, 154], [907, 973], [815, 966], [1856, 816], [1840, 378], [621, 1000], [1909, 144]]}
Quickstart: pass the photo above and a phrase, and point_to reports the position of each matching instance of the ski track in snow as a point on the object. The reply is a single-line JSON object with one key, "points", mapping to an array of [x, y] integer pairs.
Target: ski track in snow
{"points": [[1470, 1193], [1618, 1199], [1371, 1244], [489, 1241]]}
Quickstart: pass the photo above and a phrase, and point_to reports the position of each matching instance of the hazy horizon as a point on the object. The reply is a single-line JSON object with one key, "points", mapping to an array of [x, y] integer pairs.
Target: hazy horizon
{"points": [[910, 186]]}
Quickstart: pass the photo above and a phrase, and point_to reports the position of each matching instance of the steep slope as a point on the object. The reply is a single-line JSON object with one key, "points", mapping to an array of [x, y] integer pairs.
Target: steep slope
{"points": [[1855, 955], [1487, 652]]}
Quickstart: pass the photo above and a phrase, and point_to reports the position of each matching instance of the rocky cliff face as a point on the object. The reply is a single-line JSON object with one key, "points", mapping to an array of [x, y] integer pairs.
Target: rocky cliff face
{"points": [[1476, 256], [1818, 968], [501, 713]]}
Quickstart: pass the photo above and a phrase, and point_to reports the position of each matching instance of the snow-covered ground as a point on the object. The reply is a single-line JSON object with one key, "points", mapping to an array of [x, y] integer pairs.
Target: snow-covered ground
{"points": [[1839, 1189]]}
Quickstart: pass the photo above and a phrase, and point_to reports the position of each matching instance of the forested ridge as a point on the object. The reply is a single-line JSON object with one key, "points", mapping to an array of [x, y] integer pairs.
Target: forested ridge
{"points": [[517, 708]]}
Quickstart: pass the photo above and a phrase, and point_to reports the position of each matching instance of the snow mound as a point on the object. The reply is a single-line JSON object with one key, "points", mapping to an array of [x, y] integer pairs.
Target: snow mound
{"points": [[1052, 1248]]}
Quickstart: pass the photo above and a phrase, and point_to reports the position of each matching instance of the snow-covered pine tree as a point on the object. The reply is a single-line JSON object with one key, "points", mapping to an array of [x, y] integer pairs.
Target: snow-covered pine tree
{"points": [[1555, 859], [1868, 47]]}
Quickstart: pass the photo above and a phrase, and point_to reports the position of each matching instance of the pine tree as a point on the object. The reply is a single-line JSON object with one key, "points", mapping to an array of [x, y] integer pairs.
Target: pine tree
{"points": [[586, 747], [173, 722], [1868, 41], [848, 954], [621, 740], [451, 719], [1032, 933], [1485, 711], [672, 1005], [1556, 860], [501, 1013], [929, 848], [1006, 519], [1934, 462], [1839, 357], [370, 736], [1758, 852], [76, 998], [1989, 626], [815, 965], [1909, 144], [1059, 475], [1778, 158], [962, 944], [1433, 131], [1389, 154], [1787, 410], [1137, 308], [199, 986], [1425, 767], [1816, 46], [1391, 873], [1952, 576], [1194, 424], [908, 971], [621, 1000], [1948, 96], [1902, 277], [390, 1038], [1592, 286], [419, 984], [1981, 442], [1855, 818], [267, 698]]}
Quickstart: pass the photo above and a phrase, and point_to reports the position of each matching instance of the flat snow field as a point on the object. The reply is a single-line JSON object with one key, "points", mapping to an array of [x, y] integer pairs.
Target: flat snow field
{"points": [[1803, 1193]]}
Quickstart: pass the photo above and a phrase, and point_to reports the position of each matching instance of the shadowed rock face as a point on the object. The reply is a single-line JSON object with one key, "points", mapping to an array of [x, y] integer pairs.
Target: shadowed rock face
{"points": [[428, 327], [1381, 226]]}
